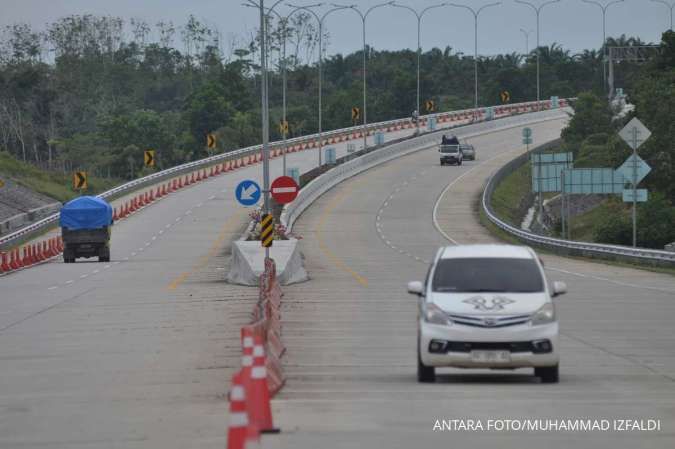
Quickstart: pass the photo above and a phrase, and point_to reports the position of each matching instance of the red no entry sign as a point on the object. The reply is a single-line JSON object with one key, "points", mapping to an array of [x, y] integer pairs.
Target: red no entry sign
{"points": [[284, 189]]}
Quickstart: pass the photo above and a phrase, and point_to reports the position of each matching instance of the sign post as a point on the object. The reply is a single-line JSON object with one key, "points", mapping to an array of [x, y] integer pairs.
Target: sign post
{"points": [[635, 133]]}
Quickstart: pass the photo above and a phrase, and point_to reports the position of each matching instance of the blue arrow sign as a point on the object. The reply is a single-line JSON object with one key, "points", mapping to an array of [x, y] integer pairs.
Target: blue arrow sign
{"points": [[248, 193]]}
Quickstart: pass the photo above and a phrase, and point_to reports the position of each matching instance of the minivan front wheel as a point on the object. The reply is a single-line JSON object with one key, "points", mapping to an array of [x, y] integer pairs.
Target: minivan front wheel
{"points": [[425, 374], [548, 374]]}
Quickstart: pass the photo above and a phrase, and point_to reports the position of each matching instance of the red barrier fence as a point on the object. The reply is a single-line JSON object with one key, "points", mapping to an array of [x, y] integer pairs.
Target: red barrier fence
{"points": [[261, 375]]}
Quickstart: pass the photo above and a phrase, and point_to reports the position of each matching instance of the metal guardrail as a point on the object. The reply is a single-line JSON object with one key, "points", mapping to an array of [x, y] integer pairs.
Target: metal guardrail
{"points": [[567, 247], [320, 185], [43, 225]]}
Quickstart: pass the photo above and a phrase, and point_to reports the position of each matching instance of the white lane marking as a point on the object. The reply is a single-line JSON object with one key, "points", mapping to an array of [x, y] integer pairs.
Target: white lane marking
{"points": [[84, 276], [168, 226], [154, 237], [69, 282], [212, 197], [611, 281], [178, 219], [53, 288], [386, 203], [147, 244], [188, 212], [133, 254], [161, 231], [96, 272], [117, 263], [140, 250]]}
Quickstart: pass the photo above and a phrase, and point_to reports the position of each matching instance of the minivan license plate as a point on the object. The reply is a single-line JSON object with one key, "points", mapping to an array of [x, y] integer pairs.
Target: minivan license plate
{"points": [[491, 356]]}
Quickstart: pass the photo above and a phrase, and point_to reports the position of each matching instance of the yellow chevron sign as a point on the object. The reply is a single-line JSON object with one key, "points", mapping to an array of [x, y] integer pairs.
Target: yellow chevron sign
{"points": [[149, 158], [430, 105], [80, 180], [356, 114], [267, 230], [211, 141]]}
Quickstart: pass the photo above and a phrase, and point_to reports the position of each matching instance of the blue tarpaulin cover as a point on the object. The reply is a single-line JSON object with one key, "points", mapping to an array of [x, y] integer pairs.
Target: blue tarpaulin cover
{"points": [[86, 212]]}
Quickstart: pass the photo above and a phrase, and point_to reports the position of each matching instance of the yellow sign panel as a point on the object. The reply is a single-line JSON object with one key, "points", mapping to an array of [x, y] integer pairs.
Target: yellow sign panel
{"points": [[80, 180], [149, 158], [430, 105], [267, 230], [505, 96], [356, 114], [211, 141], [283, 127]]}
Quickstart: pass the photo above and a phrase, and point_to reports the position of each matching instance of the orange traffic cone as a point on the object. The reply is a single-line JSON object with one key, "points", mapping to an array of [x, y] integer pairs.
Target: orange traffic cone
{"points": [[115, 216], [4, 266], [236, 432], [260, 411]]}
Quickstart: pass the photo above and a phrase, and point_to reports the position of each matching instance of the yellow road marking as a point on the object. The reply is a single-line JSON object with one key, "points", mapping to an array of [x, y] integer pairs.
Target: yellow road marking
{"points": [[324, 249], [203, 260]]}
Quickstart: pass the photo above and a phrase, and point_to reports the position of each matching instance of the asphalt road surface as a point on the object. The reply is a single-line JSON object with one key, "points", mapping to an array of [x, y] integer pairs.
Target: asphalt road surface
{"points": [[138, 352], [351, 330]]}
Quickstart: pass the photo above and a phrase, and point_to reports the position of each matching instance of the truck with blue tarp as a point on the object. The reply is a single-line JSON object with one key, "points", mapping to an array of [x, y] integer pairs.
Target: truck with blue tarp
{"points": [[85, 228]]}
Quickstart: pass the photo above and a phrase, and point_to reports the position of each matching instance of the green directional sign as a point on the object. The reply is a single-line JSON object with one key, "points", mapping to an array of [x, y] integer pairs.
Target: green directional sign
{"points": [[583, 181], [527, 132], [546, 169], [640, 195], [634, 162], [527, 140]]}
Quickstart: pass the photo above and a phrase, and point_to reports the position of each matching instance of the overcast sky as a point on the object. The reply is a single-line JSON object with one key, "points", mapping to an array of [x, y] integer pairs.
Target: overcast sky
{"points": [[573, 24]]}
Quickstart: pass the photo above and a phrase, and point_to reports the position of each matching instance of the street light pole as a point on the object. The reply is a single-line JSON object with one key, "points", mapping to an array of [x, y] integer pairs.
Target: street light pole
{"points": [[475, 13], [320, 19], [670, 6], [527, 40], [537, 10], [604, 8], [283, 20], [364, 16], [419, 16]]}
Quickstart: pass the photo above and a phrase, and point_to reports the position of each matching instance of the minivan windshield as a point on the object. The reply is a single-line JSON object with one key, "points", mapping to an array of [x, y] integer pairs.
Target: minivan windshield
{"points": [[475, 275]]}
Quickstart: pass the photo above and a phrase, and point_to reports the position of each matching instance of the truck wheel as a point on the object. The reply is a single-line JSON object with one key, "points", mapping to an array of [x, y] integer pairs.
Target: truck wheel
{"points": [[104, 255], [425, 374], [68, 256], [459, 162]]}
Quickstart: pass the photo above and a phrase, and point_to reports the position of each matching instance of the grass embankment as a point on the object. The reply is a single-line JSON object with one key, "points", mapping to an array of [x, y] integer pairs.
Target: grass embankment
{"points": [[507, 197], [51, 184]]}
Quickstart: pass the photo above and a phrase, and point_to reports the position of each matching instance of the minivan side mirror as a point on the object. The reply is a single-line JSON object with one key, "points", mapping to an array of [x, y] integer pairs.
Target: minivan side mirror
{"points": [[559, 288], [416, 288]]}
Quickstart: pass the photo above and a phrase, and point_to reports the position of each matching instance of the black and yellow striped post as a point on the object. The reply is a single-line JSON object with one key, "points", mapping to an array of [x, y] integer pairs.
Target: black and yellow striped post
{"points": [[267, 230]]}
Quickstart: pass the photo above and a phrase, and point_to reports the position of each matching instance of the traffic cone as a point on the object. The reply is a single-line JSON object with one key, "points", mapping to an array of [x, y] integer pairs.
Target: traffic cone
{"points": [[199, 176], [115, 216], [236, 432], [4, 266], [205, 175], [247, 352], [213, 171], [192, 179], [152, 196], [26, 256], [14, 260], [252, 438], [260, 411]]}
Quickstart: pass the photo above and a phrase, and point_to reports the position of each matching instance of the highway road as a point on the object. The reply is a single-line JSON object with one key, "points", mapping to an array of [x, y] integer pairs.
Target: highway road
{"points": [[351, 330], [137, 352]]}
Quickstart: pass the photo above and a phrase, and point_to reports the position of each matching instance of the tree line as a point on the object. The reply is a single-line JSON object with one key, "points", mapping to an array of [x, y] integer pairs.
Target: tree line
{"points": [[92, 92]]}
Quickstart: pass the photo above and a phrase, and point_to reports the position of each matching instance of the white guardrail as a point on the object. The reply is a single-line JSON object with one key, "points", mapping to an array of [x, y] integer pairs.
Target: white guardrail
{"points": [[391, 125], [317, 187], [641, 255]]}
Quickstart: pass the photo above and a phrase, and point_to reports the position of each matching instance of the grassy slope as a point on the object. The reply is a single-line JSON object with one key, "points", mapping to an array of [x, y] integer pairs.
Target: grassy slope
{"points": [[54, 185], [507, 196]]}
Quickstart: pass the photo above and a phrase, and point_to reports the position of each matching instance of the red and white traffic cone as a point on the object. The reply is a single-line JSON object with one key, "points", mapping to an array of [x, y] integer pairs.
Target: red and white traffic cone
{"points": [[239, 423], [260, 410]]}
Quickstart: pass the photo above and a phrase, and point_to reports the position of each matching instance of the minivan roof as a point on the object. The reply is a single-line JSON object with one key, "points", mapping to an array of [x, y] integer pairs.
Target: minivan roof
{"points": [[487, 251]]}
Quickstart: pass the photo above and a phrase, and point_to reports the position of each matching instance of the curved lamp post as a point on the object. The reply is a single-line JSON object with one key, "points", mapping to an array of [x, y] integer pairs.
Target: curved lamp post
{"points": [[363, 17], [527, 40], [604, 35], [320, 20], [670, 5], [419, 16], [537, 10], [476, 13]]}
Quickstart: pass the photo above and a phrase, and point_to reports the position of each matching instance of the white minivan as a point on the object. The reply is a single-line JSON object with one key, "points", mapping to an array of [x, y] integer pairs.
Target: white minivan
{"points": [[487, 306]]}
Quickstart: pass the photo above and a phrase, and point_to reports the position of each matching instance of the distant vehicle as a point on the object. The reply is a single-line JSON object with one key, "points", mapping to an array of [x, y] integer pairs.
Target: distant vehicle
{"points": [[468, 152], [451, 154], [487, 306], [85, 228]]}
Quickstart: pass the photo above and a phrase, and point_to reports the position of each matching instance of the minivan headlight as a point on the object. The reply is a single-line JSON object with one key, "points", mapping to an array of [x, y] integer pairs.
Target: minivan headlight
{"points": [[433, 314], [545, 314]]}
